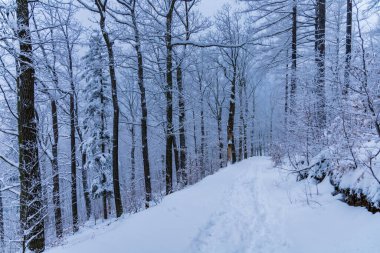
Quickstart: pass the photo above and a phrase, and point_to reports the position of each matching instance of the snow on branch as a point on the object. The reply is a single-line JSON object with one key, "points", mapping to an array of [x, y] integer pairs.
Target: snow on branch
{"points": [[8, 161], [206, 45]]}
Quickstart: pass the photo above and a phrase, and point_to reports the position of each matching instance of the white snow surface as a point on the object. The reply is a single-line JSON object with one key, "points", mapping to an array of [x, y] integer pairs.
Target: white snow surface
{"points": [[249, 207]]}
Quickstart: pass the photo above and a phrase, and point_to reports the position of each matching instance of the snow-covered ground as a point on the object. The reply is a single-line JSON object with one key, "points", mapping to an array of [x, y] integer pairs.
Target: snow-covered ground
{"points": [[245, 208]]}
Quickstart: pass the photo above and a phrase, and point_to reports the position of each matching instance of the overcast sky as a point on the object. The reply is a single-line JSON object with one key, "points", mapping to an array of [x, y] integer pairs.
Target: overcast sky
{"points": [[210, 7]]}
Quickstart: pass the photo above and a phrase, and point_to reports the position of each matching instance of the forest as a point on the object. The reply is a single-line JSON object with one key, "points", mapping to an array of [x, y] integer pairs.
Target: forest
{"points": [[109, 106]]}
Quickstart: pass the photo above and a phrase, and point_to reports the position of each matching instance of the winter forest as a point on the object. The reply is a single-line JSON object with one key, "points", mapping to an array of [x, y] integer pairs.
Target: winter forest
{"points": [[112, 107]]}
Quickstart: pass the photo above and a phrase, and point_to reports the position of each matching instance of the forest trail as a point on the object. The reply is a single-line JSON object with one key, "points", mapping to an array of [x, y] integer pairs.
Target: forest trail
{"points": [[245, 208]]}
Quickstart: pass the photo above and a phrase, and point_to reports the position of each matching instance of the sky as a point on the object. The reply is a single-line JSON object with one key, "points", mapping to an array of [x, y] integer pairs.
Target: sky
{"points": [[210, 7]]}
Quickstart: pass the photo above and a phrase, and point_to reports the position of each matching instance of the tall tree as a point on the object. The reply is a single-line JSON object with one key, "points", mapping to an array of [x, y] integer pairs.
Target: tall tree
{"points": [[200, 81], [230, 31], [320, 54], [69, 46], [293, 74], [182, 132], [347, 66], [130, 5], [169, 96], [181, 96], [31, 204]]}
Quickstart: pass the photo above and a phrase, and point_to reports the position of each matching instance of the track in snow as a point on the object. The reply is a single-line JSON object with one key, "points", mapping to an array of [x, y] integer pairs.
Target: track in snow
{"points": [[246, 208]]}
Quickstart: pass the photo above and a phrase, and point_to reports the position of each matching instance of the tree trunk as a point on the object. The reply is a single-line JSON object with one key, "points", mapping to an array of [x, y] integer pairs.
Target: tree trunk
{"points": [[56, 192], [253, 125], [203, 135], [291, 107], [2, 235], [104, 197], [231, 153], [320, 62], [182, 132], [169, 99], [74, 200], [115, 103], [293, 74], [241, 120], [220, 141], [86, 191], [286, 105], [176, 158], [73, 159], [245, 126], [144, 112], [195, 141], [182, 111], [103, 146], [133, 165], [31, 207], [347, 66]]}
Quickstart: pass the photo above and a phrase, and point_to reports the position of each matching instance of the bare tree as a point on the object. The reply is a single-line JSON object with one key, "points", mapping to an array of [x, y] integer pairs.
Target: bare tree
{"points": [[131, 6], [347, 67], [320, 51], [31, 209]]}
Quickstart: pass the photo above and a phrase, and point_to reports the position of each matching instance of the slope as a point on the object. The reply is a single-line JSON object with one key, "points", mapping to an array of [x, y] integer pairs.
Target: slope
{"points": [[244, 208]]}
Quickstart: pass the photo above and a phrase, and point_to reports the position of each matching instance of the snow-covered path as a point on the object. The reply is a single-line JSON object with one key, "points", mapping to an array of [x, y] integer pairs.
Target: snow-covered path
{"points": [[246, 208]]}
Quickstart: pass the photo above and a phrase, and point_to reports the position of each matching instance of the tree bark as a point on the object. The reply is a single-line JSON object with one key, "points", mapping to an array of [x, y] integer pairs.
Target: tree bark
{"points": [[182, 132], [55, 168], [169, 99], [181, 108], [31, 207], [73, 159], [144, 111], [293, 74], [241, 120], [195, 140], [231, 153], [133, 165], [103, 145], [347, 66], [203, 134], [104, 198], [220, 141], [115, 103], [245, 124], [320, 51], [176, 158], [253, 126], [86, 191], [74, 200]]}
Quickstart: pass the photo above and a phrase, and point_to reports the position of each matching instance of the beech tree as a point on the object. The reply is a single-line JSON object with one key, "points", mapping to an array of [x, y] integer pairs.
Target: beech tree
{"points": [[131, 11], [231, 33], [320, 51], [31, 209]]}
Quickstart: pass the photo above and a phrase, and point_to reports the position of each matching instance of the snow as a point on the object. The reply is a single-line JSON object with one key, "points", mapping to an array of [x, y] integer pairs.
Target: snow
{"points": [[244, 208]]}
